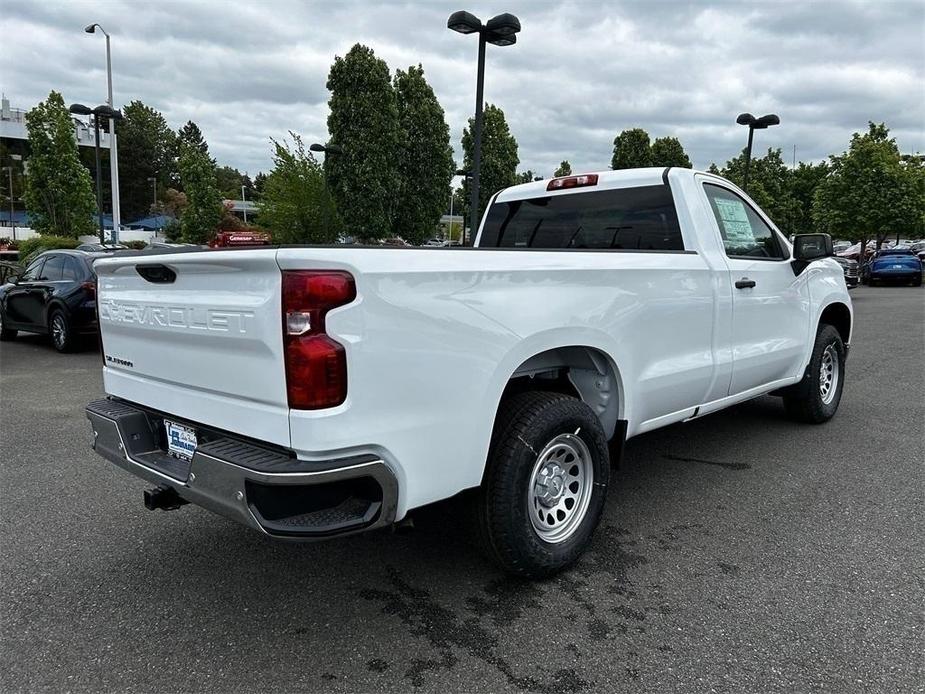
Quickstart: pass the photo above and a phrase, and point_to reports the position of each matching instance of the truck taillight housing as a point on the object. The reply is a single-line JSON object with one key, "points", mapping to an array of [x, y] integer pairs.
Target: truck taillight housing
{"points": [[316, 364], [572, 182]]}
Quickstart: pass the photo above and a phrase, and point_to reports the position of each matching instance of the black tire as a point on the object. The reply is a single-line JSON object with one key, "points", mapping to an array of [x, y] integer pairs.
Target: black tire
{"points": [[808, 401], [529, 424], [6, 334], [917, 282], [865, 280], [59, 330]]}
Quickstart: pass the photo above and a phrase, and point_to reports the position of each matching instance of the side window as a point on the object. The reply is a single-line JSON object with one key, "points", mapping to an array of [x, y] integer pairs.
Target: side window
{"points": [[71, 271], [32, 272], [641, 218], [54, 268], [745, 234]]}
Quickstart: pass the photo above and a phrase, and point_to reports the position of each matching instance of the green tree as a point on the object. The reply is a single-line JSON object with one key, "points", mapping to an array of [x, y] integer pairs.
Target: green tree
{"points": [[499, 158], [769, 182], [364, 122], [59, 190], [256, 190], [191, 135], [525, 177], [147, 149], [668, 151], [229, 181], [631, 150], [204, 204], [871, 192], [565, 169], [802, 186], [425, 158], [296, 205]]}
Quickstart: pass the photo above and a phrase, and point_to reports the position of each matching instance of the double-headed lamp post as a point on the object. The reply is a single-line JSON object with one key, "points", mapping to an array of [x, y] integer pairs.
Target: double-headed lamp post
{"points": [[326, 149], [113, 148], [753, 125], [97, 113], [500, 30]]}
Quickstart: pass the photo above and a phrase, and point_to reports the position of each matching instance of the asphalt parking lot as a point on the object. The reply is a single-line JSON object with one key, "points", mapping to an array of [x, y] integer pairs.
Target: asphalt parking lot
{"points": [[740, 552]]}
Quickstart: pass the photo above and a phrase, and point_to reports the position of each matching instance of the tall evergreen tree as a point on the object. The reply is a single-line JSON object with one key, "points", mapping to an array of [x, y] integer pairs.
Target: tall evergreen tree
{"points": [[425, 159], [631, 150], [204, 204], [364, 122], [147, 149], [191, 135], [59, 190], [499, 158]]}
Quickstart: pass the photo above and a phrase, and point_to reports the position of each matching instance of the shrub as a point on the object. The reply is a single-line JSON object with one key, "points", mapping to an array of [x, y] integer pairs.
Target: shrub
{"points": [[135, 245], [30, 248]]}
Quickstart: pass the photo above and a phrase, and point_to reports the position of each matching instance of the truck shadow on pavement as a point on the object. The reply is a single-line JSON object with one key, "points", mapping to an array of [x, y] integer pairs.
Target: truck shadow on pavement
{"points": [[408, 609]]}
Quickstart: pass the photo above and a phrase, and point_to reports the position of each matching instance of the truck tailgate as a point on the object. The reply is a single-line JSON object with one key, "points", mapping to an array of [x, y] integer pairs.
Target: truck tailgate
{"points": [[197, 335]]}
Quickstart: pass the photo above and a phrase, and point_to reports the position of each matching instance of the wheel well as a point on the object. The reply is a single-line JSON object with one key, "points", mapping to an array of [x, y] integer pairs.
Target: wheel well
{"points": [[582, 372], [838, 316]]}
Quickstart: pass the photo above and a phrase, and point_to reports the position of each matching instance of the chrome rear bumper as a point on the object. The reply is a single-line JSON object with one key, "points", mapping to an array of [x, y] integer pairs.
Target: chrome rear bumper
{"points": [[262, 487]]}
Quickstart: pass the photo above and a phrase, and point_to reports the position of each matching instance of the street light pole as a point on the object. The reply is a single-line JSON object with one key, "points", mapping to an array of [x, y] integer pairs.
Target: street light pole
{"points": [[748, 158], [12, 223], [500, 30], [477, 145], [99, 181], [113, 146], [97, 113], [152, 180], [753, 125], [244, 206]]}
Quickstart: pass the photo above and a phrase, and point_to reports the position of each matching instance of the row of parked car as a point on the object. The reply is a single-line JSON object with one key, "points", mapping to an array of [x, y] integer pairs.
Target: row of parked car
{"points": [[895, 263]]}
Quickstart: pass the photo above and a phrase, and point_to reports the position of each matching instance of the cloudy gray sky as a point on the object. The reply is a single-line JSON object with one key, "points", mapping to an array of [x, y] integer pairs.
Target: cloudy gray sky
{"points": [[580, 72]]}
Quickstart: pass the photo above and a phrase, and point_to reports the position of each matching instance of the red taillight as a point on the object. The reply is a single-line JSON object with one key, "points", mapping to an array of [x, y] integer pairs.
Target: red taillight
{"points": [[316, 365], [572, 182], [90, 288]]}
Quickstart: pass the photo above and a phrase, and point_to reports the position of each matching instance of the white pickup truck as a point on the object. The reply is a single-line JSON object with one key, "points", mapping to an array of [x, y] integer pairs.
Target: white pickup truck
{"points": [[311, 392]]}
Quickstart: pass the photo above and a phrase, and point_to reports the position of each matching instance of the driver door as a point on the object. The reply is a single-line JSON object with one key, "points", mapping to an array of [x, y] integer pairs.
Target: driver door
{"points": [[770, 304]]}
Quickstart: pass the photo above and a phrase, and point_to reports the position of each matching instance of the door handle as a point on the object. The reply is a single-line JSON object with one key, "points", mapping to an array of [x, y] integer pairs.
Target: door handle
{"points": [[745, 283]]}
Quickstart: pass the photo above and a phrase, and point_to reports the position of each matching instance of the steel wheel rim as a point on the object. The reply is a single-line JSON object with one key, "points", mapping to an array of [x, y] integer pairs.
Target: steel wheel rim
{"points": [[58, 331], [829, 372], [560, 487]]}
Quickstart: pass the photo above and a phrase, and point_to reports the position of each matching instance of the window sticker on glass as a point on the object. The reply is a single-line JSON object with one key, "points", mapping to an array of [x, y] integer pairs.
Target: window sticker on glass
{"points": [[737, 230]]}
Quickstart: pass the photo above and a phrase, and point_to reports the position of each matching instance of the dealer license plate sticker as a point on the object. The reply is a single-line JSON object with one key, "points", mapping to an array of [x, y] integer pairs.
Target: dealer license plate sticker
{"points": [[181, 440]]}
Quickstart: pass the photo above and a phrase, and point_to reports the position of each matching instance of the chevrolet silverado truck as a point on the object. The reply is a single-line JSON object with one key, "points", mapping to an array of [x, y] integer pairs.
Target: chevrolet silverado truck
{"points": [[311, 392]]}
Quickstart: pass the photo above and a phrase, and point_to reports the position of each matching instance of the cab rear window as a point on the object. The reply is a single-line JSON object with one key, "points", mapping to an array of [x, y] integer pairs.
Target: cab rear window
{"points": [[641, 218]]}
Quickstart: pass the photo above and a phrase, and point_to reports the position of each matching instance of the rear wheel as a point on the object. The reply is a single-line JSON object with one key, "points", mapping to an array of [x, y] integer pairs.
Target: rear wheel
{"points": [[815, 399], [917, 282], [59, 327], [6, 334], [545, 484]]}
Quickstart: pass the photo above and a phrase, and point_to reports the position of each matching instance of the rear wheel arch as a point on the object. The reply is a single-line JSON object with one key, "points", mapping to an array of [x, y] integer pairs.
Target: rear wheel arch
{"points": [[584, 372]]}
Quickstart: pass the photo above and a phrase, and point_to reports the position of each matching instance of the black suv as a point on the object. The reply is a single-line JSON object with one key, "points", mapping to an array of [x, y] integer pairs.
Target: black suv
{"points": [[55, 295]]}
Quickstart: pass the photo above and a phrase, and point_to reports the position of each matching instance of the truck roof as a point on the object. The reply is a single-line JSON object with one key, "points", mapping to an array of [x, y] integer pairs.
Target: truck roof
{"points": [[622, 178]]}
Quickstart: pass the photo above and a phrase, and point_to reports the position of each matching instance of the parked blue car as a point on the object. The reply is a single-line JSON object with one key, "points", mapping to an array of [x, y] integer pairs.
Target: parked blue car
{"points": [[893, 265]]}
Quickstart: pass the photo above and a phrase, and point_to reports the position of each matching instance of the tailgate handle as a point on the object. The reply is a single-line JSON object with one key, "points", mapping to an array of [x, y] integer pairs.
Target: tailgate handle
{"points": [[157, 273]]}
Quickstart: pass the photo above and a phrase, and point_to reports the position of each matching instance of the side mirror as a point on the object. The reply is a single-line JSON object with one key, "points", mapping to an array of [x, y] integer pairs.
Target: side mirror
{"points": [[810, 247]]}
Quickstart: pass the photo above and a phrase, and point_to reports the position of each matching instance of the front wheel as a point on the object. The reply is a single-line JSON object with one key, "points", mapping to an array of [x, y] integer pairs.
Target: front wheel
{"points": [[815, 399], [545, 484]]}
